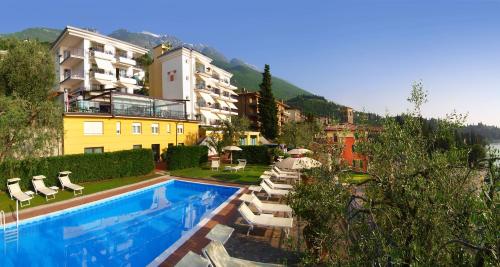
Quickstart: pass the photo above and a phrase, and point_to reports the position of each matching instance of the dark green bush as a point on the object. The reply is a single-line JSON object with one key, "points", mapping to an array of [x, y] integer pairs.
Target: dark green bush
{"points": [[84, 167], [254, 154], [182, 157]]}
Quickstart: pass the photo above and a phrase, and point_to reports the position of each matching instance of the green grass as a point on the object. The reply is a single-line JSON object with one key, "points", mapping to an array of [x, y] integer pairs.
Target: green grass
{"points": [[358, 178], [8, 205], [250, 175]]}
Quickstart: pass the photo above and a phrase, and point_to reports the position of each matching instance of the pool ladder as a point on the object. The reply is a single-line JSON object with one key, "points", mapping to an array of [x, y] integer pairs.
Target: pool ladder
{"points": [[10, 235]]}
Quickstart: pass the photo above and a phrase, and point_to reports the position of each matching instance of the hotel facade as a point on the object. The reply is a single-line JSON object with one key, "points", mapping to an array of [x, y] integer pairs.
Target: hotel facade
{"points": [[97, 77], [185, 74]]}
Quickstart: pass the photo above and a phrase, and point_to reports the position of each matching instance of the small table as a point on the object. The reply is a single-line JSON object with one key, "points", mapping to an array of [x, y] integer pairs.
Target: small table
{"points": [[54, 188], [220, 233], [30, 193]]}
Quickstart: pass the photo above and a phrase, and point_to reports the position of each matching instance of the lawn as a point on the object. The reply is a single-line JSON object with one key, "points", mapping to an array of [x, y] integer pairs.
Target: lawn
{"points": [[358, 178], [8, 205], [250, 175]]}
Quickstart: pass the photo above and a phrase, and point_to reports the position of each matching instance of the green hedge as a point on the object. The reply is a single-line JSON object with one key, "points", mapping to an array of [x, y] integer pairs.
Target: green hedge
{"points": [[182, 157], [84, 167], [254, 154]]}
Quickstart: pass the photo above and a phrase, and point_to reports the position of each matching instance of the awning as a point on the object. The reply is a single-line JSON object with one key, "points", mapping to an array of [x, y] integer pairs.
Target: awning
{"points": [[223, 103], [104, 64], [232, 105], [232, 92], [126, 85], [207, 97], [222, 117], [209, 115]]}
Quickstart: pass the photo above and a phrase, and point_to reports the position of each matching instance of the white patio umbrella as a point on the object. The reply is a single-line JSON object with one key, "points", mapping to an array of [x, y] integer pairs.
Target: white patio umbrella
{"points": [[299, 151], [298, 164], [231, 148]]}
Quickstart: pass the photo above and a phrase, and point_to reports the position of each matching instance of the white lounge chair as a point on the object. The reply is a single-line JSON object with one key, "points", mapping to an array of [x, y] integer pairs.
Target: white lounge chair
{"points": [[264, 207], [273, 192], [66, 182], [39, 185], [241, 166], [265, 220], [192, 259], [217, 254], [215, 165], [277, 186], [16, 192]]}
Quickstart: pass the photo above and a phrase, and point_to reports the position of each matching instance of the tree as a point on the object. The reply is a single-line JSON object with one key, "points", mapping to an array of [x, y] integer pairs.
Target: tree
{"points": [[300, 134], [228, 133], [30, 123], [144, 61], [268, 112], [423, 205]]}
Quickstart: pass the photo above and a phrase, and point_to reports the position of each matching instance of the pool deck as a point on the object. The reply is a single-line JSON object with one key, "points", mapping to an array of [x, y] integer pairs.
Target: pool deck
{"points": [[266, 245]]}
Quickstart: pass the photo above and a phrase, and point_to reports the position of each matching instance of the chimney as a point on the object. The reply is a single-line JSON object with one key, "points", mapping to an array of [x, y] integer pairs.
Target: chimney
{"points": [[348, 115]]}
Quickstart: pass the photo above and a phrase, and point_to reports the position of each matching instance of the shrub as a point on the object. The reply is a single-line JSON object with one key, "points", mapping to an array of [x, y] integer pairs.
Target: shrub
{"points": [[84, 167], [182, 157], [254, 154]]}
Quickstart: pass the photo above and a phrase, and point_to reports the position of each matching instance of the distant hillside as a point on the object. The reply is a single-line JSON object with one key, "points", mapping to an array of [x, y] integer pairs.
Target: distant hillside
{"points": [[41, 34], [318, 106], [487, 132]]}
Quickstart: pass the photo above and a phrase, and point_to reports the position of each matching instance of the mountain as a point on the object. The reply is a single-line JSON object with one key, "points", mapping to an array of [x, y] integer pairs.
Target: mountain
{"points": [[41, 34]]}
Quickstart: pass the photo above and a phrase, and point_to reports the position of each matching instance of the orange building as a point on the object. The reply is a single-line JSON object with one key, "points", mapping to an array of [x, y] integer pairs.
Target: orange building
{"points": [[348, 134]]}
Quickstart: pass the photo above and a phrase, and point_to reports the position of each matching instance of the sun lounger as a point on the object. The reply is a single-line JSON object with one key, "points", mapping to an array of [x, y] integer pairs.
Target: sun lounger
{"points": [[192, 259], [16, 192], [277, 186], [39, 185], [265, 220], [273, 192], [217, 254], [220, 233], [66, 183], [264, 207], [242, 163]]}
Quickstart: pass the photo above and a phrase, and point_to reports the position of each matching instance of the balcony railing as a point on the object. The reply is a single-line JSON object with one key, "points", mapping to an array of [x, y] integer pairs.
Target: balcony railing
{"points": [[73, 75], [102, 54], [126, 60], [125, 109], [126, 79]]}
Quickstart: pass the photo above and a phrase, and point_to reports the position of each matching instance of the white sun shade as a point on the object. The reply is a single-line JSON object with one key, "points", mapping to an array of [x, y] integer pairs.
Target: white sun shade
{"points": [[232, 105], [207, 97], [104, 64], [209, 115], [223, 103]]}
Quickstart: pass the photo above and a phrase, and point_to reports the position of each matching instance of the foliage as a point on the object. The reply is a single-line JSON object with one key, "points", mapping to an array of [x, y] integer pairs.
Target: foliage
{"points": [[144, 61], [300, 134], [254, 154], [490, 133], [181, 157], [84, 167], [268, 112], [423, 206], [234, 129], [30, 123]]}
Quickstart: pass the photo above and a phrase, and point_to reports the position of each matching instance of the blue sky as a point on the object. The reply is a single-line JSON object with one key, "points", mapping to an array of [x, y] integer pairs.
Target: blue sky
{"points": [[364, 54]]}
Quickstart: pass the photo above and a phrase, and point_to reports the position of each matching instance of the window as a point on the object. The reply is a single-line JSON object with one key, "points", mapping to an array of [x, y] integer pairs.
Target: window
{"points": [[136, 146], [250, 100], [136, 128], [93, 150], [118, 127], [253, 140], [243, 141], [92, 128], [180, 144], [155, 128], [335, 138], [168, 128], [180, 129], [170, 144]]}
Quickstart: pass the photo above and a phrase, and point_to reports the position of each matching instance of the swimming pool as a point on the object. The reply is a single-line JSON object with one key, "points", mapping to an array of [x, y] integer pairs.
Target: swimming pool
{"points": [[127, 230]]}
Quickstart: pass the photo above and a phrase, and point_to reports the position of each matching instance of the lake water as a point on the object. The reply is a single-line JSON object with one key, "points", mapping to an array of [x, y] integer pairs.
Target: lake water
{"points": [[495, 146]]}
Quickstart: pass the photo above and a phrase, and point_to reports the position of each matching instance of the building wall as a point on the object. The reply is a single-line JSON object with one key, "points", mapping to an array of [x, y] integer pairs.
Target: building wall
{"points": [[74, 141], [348, 140]]}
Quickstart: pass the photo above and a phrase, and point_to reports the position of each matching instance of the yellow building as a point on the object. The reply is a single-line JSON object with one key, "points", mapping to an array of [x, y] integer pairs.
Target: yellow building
{"points": [[126, 122]]}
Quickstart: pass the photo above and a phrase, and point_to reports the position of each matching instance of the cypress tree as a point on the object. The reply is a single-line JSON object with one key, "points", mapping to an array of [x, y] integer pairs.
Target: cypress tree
{"points": [[268, 112]]}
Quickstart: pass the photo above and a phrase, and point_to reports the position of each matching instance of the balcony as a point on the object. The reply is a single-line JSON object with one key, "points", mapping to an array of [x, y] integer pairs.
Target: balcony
{"points": [[126, 60], [131, 106], [102, 75], [127, 80], [108, 55], [71, 78], [72, 56]]}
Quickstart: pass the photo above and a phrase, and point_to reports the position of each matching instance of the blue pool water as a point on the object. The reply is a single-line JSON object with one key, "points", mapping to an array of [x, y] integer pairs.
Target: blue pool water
{"points": [[131, 230]]}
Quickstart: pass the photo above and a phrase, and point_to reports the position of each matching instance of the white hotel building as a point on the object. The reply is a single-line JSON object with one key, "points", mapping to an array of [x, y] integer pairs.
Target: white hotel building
{"points": [[87, 63], [185, 74]]}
